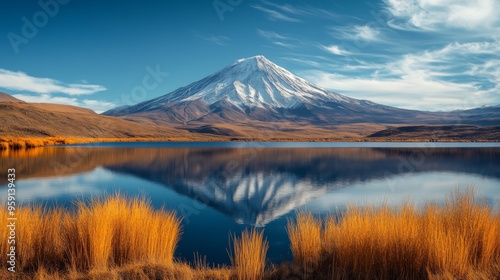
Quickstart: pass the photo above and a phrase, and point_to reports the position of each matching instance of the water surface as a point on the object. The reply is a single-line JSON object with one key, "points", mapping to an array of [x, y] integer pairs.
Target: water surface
{"points": [[222, 188]]}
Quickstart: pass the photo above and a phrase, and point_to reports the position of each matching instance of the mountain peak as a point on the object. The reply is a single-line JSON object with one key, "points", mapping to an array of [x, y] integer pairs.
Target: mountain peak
{"points": [[254, 63], [253, 59], [247, 84]]}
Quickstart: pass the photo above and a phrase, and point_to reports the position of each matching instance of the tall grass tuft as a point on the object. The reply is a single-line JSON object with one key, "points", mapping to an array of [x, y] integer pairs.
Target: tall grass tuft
{"points": [[117, 231], [457, 240], [464, 235], [248, 256], [121, 238], [37, 238], [103, 233], [305, 239]]}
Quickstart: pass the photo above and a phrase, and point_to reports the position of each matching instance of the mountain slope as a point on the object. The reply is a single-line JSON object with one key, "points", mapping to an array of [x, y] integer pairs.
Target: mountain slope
{"points": [[253, 82], [21, 119], [255, 89], [251, 89]]}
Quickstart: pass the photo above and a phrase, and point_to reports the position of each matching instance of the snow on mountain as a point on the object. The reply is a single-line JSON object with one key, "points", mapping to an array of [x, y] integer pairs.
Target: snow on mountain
{"points": [[256, 89], [253, 82]]}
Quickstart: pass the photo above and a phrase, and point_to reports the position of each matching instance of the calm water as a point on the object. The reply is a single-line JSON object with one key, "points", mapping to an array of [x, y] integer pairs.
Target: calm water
{"points": [[222, 188]]}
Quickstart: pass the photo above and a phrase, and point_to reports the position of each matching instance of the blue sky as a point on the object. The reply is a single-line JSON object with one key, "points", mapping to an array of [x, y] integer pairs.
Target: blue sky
{"points": [[416, 54]]}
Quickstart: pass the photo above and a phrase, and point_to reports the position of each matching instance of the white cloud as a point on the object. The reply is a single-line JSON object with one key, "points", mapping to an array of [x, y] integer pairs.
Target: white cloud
{"points": [[218, 40], [303, 10], [286, 45], [96, 105], [357, 32], [271, 35], [308, 62], [45, 90], [336, 50], [45, 98], [471, 48], [20, 81], [437, 14], [366, 32], [490, 70], [411, 91], [428, 80], [275, 15], [293, 13], [280, 40]]}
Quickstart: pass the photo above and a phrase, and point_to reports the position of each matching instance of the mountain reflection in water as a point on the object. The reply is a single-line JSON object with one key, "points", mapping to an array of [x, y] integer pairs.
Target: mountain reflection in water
{"points": [[254, 186]]}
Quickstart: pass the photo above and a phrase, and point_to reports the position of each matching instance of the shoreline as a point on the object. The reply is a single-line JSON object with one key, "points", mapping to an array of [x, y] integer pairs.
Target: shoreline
{"points": [[19, 143]]}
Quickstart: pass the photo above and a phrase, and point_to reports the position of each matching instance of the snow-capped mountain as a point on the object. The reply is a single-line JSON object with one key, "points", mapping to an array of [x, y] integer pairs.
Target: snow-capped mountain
{"points": [[249, 83], [254, 88]]}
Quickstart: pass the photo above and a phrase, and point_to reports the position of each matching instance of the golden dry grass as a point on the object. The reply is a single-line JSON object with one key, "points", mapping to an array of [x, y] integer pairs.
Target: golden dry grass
{"points": [[101, 234], [305, 239], [117, 231], [28, 142], [106, 239], [19, 143], [37, 239], [248, 256], [459, 240]]}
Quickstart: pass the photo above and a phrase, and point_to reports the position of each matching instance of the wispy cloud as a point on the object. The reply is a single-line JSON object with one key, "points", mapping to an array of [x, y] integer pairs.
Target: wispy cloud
{"points": [[303, 10], [218, 40], [272, 35], [452, 77], [275, 15], [308, 62], [433, 15], [484, 47], [279, 40], [20, 81], [365, 32], [336, 50], [294, 13], [356, 32], [412, 91]]}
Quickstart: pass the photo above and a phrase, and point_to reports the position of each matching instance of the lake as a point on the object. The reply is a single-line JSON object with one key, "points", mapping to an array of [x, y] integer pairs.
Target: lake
{"points": [[223, 188]]}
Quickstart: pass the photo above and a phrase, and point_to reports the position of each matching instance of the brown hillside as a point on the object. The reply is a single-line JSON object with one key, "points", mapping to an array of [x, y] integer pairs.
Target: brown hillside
{"points": [[21, 119], [438, 132], [4, 97]]}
